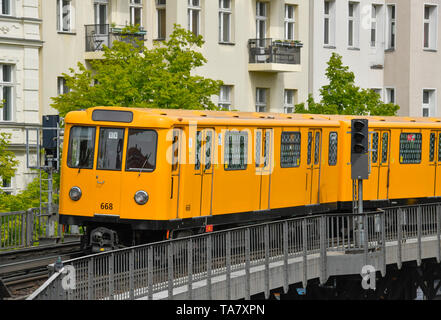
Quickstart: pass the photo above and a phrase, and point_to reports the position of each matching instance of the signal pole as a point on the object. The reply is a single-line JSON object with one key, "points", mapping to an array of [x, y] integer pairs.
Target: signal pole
{"points": [[359, 165]]}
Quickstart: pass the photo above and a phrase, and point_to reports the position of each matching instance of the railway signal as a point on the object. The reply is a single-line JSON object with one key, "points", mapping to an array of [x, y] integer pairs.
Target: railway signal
{"points": [[360, 149]]}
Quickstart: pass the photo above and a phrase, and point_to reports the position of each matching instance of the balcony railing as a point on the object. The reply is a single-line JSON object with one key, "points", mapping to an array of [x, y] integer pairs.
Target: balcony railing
{"points": [[269, 50], [99, 35]]}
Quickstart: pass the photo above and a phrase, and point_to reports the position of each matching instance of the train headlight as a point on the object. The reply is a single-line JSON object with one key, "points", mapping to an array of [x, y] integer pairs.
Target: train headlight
{"points": [[141, 197], [75, 193]]}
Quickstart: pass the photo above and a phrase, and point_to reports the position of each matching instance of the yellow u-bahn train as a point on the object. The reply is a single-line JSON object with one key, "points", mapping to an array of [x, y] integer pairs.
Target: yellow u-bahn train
{"points": [[137, 175]]}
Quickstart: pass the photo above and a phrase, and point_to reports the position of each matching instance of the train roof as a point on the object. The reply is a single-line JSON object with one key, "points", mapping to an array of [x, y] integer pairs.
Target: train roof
{"points": [[164, 118]]}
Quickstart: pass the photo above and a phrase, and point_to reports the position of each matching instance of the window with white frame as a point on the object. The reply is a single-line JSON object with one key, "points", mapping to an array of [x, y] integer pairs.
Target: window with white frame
{"points": [[329, 22], [225, 15], [261, 19], [62, 88], [6, 186], [391, 26], [290, 21], [378, 91], [289, 100], [429, 103], [374, 15], [5, 7], [194, 16], [100, 11], [6, 91], [261, 99], [136, 12], [225, 97], [390, 95], [64, 16], [430, 26], [160, 16], [353, 24]]}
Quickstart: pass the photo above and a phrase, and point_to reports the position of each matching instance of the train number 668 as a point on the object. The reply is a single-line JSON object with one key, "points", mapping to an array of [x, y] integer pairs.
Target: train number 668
{"points": [[106, 206]]}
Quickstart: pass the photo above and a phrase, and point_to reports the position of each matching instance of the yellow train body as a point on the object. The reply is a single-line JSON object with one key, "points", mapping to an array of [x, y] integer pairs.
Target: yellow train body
{"points": [[226, 168]]}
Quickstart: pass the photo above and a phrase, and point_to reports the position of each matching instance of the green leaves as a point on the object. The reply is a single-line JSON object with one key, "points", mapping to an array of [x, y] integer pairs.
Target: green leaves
{"points": [[342, 96], [7, 158], [131, 75]]}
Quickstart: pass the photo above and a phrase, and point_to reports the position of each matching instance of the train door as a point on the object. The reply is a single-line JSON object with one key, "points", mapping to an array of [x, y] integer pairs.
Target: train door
{"points": [[435, 161], [264, 159], [314, 165], [384, 166], [108, 171], [371, 185], [176, 170], [204, 168]]}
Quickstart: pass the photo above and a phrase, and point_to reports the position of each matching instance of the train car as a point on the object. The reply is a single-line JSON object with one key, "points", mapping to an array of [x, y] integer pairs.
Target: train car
{"points": [[132, 176]]}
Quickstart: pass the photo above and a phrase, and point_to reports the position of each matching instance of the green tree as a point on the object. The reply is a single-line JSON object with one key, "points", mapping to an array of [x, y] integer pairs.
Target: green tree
{"points": [[342, 96], [7, 158], [131, 75]]}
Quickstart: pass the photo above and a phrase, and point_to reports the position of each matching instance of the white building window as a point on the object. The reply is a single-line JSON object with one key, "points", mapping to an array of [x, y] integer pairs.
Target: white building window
{"points": [[6, 91], [225, 15], [374, 15], [378, 91], [261, 99], [194, 16], [6, 186], [5, 7], [329, 23], [430, 26], [429, 103], [64, 16], [391, 26], [100, 11], [225, 97], [290, 21], [136, 12], [289, 100], [261, 19], [161, 16], [62, 88], [353, 24], [390, 95]]}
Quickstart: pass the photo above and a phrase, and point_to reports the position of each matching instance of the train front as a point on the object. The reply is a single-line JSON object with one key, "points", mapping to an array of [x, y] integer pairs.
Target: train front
{"points": [[111, 176]]}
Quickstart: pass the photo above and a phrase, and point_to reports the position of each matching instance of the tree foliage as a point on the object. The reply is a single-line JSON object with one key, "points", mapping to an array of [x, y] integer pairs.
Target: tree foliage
{"points": [[30, 197], [342, 96], [131, 75], [7, 158]]}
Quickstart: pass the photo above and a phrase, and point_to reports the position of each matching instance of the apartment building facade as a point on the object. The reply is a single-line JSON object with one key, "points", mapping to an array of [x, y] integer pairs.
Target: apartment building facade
{"points": [[413, 65], [269, 74], [20, 42]]}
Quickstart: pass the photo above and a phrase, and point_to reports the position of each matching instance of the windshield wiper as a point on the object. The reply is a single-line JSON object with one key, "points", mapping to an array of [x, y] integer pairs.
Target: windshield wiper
{"points": [[146, 160]]}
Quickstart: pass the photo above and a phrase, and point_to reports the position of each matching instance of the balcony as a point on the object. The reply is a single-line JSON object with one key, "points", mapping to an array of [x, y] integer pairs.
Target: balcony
{"points": [[269, 55], [99, 35]]}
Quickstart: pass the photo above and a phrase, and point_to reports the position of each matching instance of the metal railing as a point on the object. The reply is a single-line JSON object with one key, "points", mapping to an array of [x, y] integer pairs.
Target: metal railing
{"points": [[98, 35], [268, 50], [28, 228], [149, 270]]}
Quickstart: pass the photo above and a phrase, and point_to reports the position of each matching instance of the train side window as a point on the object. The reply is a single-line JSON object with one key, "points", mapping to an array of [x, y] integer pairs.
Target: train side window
{"points": [[333, 148], [439, 148], [410, 148], [290, 149], [317, 148], [385, 147], [236, 150], [208, 147], [175, 150], [258, 147], [309, 148], [432, 147], [375, 147], [197, 165]]}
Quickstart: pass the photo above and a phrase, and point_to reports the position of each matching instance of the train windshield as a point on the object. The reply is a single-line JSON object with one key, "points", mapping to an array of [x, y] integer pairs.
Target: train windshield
{"points": [[141, 150], [81, 147], [110, 149]]}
